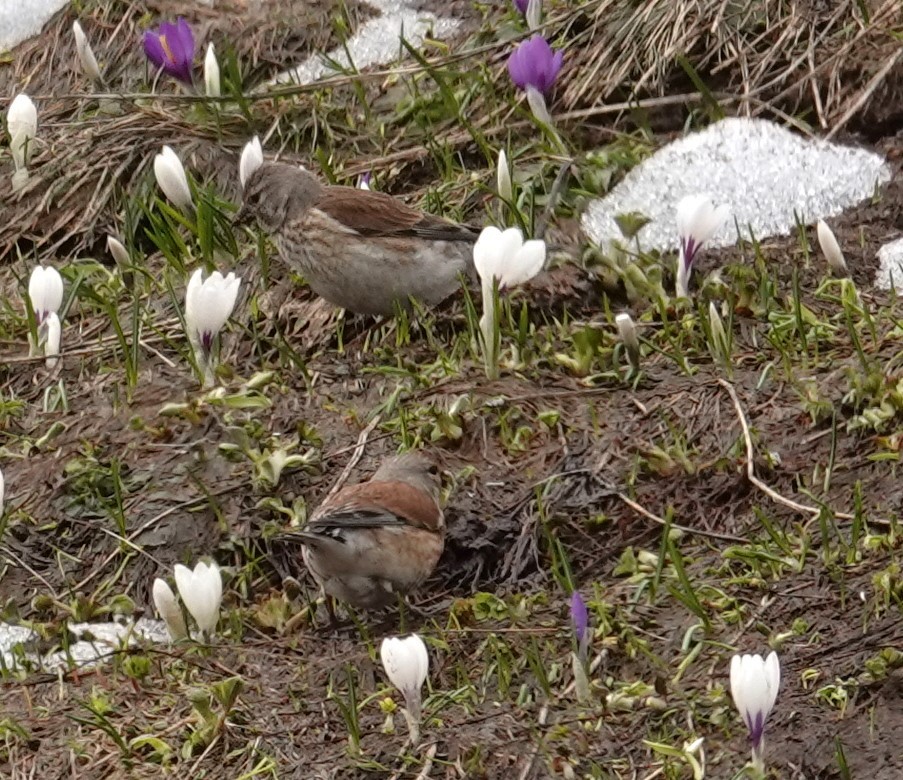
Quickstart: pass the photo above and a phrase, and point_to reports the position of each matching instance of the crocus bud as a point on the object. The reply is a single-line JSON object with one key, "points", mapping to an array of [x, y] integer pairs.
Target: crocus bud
{"points": [[117, 249], [754, 686], [169, 610], [86, 54], [698, 219], [201, 591], [627, 332], [251, 159], [171, 178], [407, 664], [208, 304], [50, 334], [45, 291], [503, 178], [534, 14], [211, 73], [22, 126], [364, 183], [831, 249]]}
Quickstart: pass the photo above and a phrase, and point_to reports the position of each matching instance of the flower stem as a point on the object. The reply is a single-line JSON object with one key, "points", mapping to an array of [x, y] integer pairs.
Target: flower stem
{"points": [[489, 328]]}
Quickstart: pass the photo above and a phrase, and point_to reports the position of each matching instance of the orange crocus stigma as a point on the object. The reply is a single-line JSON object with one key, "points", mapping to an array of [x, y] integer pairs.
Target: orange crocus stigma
{"points": [[166, 50]]}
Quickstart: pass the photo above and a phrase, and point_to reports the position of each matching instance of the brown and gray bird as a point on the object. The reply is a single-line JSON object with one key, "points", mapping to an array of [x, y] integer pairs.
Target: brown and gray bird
{"points": [[362, 250], [370, 542]]}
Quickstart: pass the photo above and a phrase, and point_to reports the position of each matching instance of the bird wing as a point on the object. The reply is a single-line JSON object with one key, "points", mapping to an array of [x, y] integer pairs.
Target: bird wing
{"points": [[374, 504], [372, 213]]}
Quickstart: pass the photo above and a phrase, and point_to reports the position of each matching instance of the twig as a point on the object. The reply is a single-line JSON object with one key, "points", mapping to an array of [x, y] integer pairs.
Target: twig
{"points": [[758, 483], [686, 529], [865, 94], [355, 457]]}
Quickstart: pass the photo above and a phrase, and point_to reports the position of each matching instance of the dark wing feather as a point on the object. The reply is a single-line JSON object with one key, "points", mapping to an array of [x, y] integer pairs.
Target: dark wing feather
{"points": [[377, 214]]}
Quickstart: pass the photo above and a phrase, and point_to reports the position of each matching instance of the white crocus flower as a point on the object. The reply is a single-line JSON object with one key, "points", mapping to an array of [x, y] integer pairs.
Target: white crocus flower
{"points": [[208, 304], [831, 249], [2, 493], [171, 178], [503, 178], [86, 54], [251, 159], [698, 219], [50, 334], [407, 664], [211, 73], [364, 183], [117, 249], [502, 257], [754, 687], [45, 291], [22, 126], [169, 610], [627, 332], [201, 591]]}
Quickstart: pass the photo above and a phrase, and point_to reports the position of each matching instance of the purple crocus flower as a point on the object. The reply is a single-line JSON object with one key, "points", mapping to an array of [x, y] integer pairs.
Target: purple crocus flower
{"points": [[580, 619], [172, 49], [534, 64], [521, 5]]}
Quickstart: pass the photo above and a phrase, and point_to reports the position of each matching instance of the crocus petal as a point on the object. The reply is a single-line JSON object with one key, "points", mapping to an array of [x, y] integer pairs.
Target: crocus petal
{"points": [[579, 616], [171, 178], [534, 64], [251, 159], [153, 48], [22, 126], [2, 492], [168, 609]]}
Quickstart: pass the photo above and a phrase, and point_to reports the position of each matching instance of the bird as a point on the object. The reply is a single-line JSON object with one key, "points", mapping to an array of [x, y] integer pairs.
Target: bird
{"points": [[369, 543], [361, 250]]}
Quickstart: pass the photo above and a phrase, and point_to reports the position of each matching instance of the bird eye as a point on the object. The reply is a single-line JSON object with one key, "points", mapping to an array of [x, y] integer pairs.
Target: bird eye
{"points": [[433, 470]]}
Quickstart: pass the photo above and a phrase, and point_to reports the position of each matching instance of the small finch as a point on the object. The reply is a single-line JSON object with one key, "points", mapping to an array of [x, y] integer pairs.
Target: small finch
{"points": [[370, 542], [359, 249]]}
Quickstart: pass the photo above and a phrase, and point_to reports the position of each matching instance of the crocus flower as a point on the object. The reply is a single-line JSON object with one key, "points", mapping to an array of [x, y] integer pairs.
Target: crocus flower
{"points": [[698, 219], [211, 73], [2, 492], [503, 178], [831, 249], [172, 49], [171, 178], [407, 664], [580, 620], [534, 64], [533, 67], [117, 249], [86, 54], [169, 610], [208, 304], [251, 159], [364, 183], [201, 591], [627, 332], [502, 257], [754, 686], [45, 291], [22, 126], [49, 335]]}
